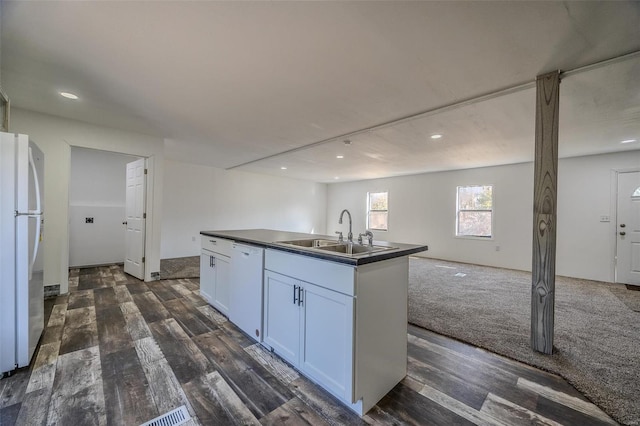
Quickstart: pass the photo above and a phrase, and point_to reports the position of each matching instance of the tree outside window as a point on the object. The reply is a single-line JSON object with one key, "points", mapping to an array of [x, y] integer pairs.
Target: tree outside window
{"points": [[475, 211], [377, 211]]}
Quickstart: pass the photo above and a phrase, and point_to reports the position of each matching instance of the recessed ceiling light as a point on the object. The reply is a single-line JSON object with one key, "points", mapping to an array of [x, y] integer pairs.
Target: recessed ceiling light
{"points": [[69, 95], [340, 156], [629, 141], [436, 136], [337, 177], [283, 168]]}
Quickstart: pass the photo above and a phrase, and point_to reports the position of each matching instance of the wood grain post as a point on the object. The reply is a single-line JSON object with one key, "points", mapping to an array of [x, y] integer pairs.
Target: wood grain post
{"points": [[544, 212]]}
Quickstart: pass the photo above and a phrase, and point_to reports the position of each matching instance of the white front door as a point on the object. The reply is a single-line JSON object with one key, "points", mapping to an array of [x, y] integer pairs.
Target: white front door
{"points": [[135, 219], [628, 228]]}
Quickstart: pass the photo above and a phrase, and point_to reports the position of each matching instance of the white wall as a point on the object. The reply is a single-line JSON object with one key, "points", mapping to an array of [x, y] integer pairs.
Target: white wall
{"points": [[422, 210], [55, 136], [587, 189], [198, 198], [97, 190]]}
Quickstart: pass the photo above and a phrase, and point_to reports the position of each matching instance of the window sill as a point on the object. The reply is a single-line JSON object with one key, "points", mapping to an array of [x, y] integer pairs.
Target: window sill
{"points": [[471, 237]]}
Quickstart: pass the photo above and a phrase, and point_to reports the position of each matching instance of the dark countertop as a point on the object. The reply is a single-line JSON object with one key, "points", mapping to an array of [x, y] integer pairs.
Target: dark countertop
{"points": [[268, 238]]}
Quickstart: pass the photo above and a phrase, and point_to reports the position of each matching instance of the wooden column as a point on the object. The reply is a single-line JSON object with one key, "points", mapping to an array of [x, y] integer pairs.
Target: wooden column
{"points": [[544, 212]]}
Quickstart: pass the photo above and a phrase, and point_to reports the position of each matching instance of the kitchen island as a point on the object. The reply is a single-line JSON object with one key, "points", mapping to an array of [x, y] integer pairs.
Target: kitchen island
{"points": [[335, 310]]}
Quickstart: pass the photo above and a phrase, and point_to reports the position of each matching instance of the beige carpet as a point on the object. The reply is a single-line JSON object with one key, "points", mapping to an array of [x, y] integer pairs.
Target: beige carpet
{"points": [[597, 332]]}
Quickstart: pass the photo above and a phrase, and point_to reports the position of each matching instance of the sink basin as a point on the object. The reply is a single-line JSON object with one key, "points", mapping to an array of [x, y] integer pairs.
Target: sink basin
{"points": [[333, 246], [311, 243], [353, 249]]}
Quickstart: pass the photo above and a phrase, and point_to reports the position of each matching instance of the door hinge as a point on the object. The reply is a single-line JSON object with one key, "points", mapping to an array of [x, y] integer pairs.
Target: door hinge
{"points": [[145, 171], [144, 215], [143, 259]]}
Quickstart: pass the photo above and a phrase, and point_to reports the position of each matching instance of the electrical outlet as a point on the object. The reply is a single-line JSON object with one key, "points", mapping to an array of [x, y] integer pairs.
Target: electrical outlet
{"points": [[88, 220], [605, 218], [497, 248], [193, 239]]}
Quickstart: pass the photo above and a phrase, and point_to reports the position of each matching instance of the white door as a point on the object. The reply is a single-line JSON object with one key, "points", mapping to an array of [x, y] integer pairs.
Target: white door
{"points": [[628, 229], [223, 276], [282, 316], [207, 276], [135, 219], [327, 350]]}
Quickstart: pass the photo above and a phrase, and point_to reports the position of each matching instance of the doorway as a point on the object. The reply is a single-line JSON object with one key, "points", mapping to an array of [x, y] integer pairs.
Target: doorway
{"points": [[628, 228], [97, 200]]}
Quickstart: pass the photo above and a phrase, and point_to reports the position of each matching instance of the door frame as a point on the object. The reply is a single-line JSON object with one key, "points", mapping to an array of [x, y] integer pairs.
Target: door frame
{"points": [[148, 202], [614, 218]]}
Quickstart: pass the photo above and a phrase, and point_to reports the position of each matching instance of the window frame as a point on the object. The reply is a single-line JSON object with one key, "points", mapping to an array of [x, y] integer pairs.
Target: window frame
{"points": [[492, 211], [369, 210]]}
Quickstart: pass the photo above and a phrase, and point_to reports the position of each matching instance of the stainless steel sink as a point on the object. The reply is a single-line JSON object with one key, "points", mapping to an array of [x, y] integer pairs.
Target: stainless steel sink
{"points": [[354, 249], [311, 243], [336, 247]]}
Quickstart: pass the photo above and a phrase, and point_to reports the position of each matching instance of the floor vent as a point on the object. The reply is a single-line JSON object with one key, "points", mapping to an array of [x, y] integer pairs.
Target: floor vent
{"points": [[173, 418]]}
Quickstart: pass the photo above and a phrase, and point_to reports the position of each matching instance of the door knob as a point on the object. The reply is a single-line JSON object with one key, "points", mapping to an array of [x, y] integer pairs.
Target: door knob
{"points": [[622, 225], [623, 233]]}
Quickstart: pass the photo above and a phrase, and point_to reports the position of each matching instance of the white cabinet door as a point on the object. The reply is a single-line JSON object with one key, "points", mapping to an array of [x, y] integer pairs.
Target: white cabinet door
{"points": [[207, 276], [327, 350], [223, 276], [282, 316]]}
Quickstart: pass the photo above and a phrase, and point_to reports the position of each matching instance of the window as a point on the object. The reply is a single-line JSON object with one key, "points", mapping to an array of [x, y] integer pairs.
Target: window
{"points": [[474, 211], [377, 211]]}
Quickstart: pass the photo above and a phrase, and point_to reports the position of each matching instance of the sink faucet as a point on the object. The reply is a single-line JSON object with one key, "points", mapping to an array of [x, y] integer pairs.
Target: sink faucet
{"points": [[350, 234], [369, 236]]}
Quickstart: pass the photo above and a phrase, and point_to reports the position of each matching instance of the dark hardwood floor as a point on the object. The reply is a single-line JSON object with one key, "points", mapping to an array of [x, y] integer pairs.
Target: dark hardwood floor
{"points": [[118, 351]]}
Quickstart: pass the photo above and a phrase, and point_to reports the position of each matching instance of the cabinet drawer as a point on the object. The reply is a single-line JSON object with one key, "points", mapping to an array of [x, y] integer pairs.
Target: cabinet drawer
{"points": [[323, 273], [217, 245]]}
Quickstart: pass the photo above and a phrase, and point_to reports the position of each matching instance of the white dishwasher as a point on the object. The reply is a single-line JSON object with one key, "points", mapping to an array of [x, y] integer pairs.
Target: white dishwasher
{"points": [[245, 298]]}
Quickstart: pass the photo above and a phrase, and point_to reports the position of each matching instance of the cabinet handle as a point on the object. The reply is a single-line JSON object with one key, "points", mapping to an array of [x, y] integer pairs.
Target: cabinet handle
{"points": [[295, 290], [300, 293]]}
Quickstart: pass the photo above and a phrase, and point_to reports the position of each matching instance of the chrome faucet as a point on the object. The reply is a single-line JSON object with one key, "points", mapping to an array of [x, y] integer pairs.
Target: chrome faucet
{"points": [[350, 234], [369, 236]]}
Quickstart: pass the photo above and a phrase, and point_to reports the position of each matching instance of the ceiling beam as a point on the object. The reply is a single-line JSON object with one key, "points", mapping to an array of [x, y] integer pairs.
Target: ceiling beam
{"points": [[444, 108]]}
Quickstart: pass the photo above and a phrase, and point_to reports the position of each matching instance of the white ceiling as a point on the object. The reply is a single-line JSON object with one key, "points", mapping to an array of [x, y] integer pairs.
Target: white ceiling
{"points": [[228, 83]]}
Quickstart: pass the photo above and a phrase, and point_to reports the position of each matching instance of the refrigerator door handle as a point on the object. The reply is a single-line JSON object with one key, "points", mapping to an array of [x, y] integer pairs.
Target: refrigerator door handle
{"points": [[34, 172], [35, 214], [36, 243]]}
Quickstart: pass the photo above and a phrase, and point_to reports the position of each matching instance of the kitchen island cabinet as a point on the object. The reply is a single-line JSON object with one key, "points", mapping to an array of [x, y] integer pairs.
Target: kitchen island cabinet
{"points": [[340, 319], [343, 327], [311, 327], [215, 267]]}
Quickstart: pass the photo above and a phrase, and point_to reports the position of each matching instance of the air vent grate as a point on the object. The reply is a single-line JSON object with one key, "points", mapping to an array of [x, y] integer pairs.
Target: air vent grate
{"points": [[173, 418]]}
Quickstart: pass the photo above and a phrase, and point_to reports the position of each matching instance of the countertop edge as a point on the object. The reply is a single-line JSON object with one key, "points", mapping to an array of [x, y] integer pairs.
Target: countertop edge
{"points": [[354, 261]]}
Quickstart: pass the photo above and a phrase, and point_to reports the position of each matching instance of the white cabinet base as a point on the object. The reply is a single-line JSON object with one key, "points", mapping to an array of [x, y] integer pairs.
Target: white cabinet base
{"points": [[215, 270], [349, 334]]}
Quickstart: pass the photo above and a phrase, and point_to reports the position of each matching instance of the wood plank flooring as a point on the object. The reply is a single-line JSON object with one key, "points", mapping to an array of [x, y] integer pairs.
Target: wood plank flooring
{"points": [[117, 351]]}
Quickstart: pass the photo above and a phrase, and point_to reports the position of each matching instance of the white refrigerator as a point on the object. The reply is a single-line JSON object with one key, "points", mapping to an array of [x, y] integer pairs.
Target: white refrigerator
{"points": [[21, 263]]}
